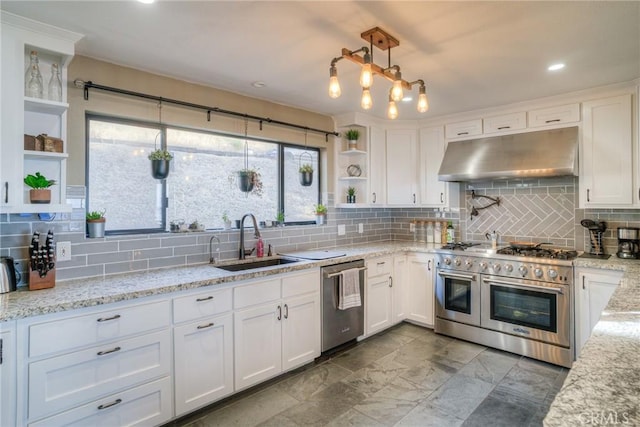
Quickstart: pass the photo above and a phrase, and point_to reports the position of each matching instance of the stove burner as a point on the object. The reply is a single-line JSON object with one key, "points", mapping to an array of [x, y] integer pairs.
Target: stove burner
{"points": [[459, 246], [539, 253]]}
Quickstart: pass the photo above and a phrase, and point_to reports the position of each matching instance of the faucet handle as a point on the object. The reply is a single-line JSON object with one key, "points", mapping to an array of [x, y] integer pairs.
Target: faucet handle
{"points": [[270, 251], [249, 251]]}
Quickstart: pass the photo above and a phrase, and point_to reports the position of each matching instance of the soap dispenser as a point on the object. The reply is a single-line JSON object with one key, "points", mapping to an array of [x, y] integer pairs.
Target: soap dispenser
{"points": [[260, 248]]}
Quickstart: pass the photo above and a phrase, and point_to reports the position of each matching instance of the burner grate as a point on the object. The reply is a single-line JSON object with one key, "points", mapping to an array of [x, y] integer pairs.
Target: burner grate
{"points": [[539, 253]]}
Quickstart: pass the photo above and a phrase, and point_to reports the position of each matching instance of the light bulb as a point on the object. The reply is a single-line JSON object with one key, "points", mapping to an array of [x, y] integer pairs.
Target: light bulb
{"points": [[366, 102], [396, 91], [392, 110], [334, 85], [423, 103], [366, 77]]}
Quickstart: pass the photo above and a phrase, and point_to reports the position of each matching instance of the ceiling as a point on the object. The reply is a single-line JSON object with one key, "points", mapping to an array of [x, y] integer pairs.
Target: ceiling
{"points": [[471, 54]]}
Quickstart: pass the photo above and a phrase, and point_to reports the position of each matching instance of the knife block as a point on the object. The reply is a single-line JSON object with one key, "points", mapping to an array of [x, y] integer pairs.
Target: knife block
{"points": [[36, 282]]}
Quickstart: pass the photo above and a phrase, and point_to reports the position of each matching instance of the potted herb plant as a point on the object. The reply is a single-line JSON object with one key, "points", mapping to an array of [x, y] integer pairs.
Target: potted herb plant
{"points": [[226, 220], [95, 223], [321, 213], [351, 195], [279, 219], [249, 181], [352, 136], [160, 163], [306, 174], [40, 192]]}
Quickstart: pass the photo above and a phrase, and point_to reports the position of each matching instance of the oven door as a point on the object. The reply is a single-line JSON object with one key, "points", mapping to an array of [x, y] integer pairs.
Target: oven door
{"points": [[529, 309], [458, 297]]}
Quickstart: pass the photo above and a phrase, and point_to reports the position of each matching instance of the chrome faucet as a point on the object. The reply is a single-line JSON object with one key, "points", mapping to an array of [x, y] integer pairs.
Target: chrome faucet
{"points": [[242, 252], [212, 259]]}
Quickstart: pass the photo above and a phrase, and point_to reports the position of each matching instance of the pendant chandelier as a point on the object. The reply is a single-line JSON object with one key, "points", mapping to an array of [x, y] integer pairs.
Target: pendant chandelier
{"points": [[383, 41]]}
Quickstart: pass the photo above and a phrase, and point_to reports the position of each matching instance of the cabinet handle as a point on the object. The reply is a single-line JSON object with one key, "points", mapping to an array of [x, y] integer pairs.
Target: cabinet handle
{"points": [[588, 195], [390, 282], [381, 263], [414, 197], [286, 311], [504, 127], [204, 299], [552, 120], [429, 265], [6, 192], [279, 313], [374, 197], [583, 287], [113, 350], [106, 319], [208, 325], [441, 197], [0, 351], [109, 405], [463, 133]]}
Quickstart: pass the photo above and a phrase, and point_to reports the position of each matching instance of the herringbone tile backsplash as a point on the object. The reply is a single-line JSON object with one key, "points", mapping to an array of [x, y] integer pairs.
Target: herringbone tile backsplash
{"points": [[532, 210]]}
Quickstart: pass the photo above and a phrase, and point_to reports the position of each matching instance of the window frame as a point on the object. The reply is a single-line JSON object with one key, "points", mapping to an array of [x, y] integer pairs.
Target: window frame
{"points": [[162, 128]]}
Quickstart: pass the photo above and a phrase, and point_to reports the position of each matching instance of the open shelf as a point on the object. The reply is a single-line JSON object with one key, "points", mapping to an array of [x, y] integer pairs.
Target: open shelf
{"points": [[353, 152], [45, 155], [37, 105]]}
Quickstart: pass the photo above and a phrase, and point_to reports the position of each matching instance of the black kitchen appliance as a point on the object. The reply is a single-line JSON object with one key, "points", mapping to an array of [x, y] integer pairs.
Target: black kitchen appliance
{"points": [[596, 230], [9, 276], [628, 242]]}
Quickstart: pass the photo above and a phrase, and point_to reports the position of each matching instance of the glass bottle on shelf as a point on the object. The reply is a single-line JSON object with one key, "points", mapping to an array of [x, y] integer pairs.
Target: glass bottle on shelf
{"points": [[31, 88], [429, 232], [421, 232], [437, 233], [55, 84]]}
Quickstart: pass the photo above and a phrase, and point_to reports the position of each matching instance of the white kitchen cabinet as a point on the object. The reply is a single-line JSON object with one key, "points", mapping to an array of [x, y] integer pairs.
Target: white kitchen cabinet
{"points": [[433, 192], [347, 156], [462, 130], [505, 123], [377, 167], [399, 284], [7, 374], [23, 115], [606, 161], [593, 291], [203, 362], [401, 167], [386, 296], [277, 327], [420, 289], [379, 304], [552, 116]]}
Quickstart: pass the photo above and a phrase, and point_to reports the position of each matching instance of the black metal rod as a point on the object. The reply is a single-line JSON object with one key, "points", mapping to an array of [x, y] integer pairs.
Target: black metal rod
{"points": [[90, 85]]}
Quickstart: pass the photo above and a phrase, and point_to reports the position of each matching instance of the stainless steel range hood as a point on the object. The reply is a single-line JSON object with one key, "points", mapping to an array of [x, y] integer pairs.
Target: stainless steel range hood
{"points": [[525, 155]]}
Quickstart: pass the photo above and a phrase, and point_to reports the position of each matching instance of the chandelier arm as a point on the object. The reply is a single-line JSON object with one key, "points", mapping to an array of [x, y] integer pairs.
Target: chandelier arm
{"points": [[375, 68]]}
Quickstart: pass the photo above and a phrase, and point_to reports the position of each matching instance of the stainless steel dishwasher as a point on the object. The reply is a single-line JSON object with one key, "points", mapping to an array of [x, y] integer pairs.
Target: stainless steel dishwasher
{"points": [[340, 326]]}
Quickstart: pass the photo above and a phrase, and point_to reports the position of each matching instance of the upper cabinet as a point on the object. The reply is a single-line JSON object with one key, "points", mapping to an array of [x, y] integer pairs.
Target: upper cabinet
{"points": [[505, 123], [33, 115], [433, 192], [606, 159], [463, 129], [402, 150], [569, 113]]}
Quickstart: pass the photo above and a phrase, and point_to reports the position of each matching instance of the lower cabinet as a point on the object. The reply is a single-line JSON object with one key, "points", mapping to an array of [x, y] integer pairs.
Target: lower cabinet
{"points": [[593, 291], [7, 375], [420, 289], [378, 295]]}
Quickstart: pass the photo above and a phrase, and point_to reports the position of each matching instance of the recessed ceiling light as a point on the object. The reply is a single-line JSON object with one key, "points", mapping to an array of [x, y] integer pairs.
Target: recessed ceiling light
{"points": [[407, 99], [147, 1], [556, 67], [258, 84]]}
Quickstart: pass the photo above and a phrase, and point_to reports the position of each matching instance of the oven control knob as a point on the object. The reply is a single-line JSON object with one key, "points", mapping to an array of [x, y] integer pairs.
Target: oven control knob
{"points": [[468, 263], [538, 272], [508, 267], [496, 267], [458, 262], [447, 261], [552, 273], [523, 270], [483, 265]]}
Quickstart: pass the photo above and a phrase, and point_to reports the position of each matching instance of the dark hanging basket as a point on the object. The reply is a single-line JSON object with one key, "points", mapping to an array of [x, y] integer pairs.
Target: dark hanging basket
{"points": [[160, 168], [246, 181], [306, 179]]}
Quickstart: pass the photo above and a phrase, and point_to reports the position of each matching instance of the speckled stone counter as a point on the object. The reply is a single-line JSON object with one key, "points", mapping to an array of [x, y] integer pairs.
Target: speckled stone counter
{"points": [[603, 386], [74, 294]]}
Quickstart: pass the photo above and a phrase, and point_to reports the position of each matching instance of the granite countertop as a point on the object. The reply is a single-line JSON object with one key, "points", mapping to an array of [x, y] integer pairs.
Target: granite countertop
{"points": [[603, 386], [79, 293]]}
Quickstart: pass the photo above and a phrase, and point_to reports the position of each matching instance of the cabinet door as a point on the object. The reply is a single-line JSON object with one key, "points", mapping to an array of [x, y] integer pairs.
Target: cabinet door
{"points": [[203, 362], [554, 115], [432, 191], [257, 344], [400, 282], [377, 168], [401, 167], [463, 130], [7, 378], [505, 123], [421, 292], [300, 330], [606, 172], [378, 304], [594, 289]]}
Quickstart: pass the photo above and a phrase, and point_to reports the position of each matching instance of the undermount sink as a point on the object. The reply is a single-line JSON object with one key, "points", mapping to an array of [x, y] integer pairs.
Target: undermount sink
{"points": [[257, 264]]}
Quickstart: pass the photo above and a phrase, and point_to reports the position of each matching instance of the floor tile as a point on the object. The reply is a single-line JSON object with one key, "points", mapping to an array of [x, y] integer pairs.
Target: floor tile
{"points": [[498, 413], [306, 384], [460, 395], [361, 356], [429, 375], [375, 376], [427, 415], [530, 384], [490, 366], [354, 418], [461, 351]]}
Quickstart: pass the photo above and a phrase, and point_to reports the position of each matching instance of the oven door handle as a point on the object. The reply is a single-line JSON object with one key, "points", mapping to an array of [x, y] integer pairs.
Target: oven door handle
{"points": [[457, 276], [522, 285]]}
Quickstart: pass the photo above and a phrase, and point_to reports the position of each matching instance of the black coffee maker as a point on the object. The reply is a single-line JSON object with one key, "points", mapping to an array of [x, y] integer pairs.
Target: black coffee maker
{"points": [[628, 242], [596, 230]]}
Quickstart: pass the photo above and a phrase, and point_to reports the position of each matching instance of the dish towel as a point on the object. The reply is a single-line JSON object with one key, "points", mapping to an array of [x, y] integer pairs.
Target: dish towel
{"points": [[349, 288]]}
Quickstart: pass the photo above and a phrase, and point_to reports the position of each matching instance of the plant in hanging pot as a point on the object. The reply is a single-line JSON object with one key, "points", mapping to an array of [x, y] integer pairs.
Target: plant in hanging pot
{"points": [[321, 213], [351, 195], [249, 181], [40, 192], [160, 163], [95, 223], [352, 136], [306, 174]]}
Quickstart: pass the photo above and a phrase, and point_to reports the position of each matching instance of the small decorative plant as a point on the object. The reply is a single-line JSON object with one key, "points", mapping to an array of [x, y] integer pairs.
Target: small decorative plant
{"points": [[95, 215], [280, 217], [351, 195], [306, 168], [40, 192], [306, 174], [95, 223], [352, 134], [320, 209], [160, 154], [160, 163], [226, 220]]}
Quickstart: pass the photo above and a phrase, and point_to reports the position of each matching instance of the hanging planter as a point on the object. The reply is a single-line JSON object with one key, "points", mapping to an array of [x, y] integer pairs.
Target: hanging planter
{"points": [[306, 171], [246, 180], [160, 162]]}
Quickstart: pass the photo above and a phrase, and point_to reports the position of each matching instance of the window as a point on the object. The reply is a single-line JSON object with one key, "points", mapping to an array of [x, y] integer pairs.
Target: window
{"points": [[203, 180]]}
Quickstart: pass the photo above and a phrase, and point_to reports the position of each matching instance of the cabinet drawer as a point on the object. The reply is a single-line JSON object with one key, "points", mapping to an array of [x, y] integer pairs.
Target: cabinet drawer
{"points": [[299, 284], [202, 304], [463, 129], [66, 381], [256, 293], [505, 123], [379, 266], [554, 115], [90, 329], [148, 404]]}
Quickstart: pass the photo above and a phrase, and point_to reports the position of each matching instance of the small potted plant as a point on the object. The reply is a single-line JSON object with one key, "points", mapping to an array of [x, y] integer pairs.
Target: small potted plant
{"points": [[279, 219], [249, 181], [40, 192], [160, 163], [226, 220], [306, 174], [321, 213], [352, 136], [95, 223], [351, 195]]}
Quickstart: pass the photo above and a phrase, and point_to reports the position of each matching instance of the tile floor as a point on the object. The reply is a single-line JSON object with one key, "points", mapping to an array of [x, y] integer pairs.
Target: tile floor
{"points": [[406, 376]]}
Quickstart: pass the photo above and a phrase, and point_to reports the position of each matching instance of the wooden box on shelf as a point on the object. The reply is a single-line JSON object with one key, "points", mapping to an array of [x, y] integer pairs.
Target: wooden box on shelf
{"points": [[31, 143], [36, 282], [50, 143]]}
